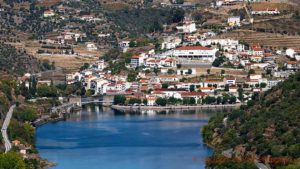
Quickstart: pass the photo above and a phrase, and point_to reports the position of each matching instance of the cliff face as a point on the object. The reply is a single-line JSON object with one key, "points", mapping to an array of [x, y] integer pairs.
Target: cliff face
{"points": [[269, 126]]}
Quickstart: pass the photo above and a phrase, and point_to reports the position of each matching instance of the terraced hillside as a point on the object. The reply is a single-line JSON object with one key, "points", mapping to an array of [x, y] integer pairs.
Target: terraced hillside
{"points": [[269, 40]]}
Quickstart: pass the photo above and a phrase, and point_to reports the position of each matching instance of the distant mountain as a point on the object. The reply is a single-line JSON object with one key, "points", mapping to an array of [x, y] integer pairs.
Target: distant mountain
{"points": [[269, 126]]}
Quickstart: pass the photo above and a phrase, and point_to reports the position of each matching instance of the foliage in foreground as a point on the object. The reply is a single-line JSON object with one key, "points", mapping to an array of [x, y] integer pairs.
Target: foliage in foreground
{"points": [[268, 125]]}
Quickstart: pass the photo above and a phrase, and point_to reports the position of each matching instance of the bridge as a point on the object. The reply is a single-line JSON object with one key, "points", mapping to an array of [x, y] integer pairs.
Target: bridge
{"points": [[74, 102]]}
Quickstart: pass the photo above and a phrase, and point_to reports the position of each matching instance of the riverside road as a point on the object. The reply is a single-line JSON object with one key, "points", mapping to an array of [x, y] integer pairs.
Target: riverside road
{"points": [[5, 125]]}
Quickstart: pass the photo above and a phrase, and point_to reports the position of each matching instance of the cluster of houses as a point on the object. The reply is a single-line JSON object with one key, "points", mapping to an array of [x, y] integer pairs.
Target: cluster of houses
{"points": [[180, 57]]}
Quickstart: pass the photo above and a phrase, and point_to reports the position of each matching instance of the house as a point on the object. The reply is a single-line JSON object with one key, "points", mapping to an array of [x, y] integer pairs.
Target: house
{"points": [[187, 27], [234, 21], [290, 52], [136, 61], [291, 65], [255, 77], [170, 92], [151, 100], [48, 13], [265, 11], [99, 65], [171, 42], [124, 44], [204, 54], [233, 89], [91, 47], [257, 51], [217, 83], [207, 89], [230, 80], [168, 78], [198, 96]]}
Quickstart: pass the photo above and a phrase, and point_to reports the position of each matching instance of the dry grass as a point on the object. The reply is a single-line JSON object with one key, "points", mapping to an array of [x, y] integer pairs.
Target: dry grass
{"points": [[48, 3], [268, 40], [67, 63], [279, 6]]}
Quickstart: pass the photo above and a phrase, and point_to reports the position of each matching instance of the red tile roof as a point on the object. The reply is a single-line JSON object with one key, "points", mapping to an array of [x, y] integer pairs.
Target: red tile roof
{"points": [[135, 57], [193, 94], [193, 48]]}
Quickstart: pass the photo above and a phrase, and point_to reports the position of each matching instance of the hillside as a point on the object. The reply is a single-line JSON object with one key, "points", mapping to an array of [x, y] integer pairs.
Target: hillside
{"points": [[15, 61], [269, 126]]}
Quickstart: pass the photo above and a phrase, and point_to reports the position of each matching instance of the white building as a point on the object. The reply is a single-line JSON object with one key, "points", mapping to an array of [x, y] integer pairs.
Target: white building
{"points": [[196, 53], [187, 27], [99, 65], [48, 13], [136, 61], [265, 11], [91, 47], [171, 42], [234, 21]]}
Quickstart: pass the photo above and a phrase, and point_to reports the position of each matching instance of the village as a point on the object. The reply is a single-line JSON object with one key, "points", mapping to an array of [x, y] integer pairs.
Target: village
{"points": [[188, 67]]}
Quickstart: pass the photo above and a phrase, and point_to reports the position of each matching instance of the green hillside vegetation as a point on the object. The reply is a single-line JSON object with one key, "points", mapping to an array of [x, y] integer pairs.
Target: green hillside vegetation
{"points": [[15, 61], [137, 21], [268, 125]]}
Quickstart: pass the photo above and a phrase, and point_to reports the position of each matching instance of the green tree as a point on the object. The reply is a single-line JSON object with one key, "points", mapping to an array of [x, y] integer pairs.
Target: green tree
{"points": [[161, 101], [11, 160], [165, 85], [145, 101], [208, 71], [119, 99], [192, 88], [131, 77], [222, 72], [46, 91], [132, 44], [135, 101]]}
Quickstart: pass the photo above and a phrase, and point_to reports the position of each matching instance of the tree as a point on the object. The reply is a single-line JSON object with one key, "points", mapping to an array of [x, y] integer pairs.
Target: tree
{"points": [[232, 99], [192, 101], [132, 44], [177, 14], [178, 66], [46, 91], [11, 160], [165, 85], [263, 85], [145, 101], [135, 101], [222, 72], [172, 100], [208, 71], [209, 100], [218, 61], [241, 93], [251, 71], [192, 88], [156, 70], [171, 71], [189, 71], [131, 77], [119, 99], [161, 101], [85, 66], [226, 87]]}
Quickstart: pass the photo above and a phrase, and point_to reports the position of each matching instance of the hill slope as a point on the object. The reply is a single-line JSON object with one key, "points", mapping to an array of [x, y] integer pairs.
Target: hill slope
{"points": [[269, 126]]}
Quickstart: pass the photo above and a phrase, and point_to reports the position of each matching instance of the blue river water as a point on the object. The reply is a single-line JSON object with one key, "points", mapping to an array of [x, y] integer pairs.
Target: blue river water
{"points": [[101, 139]]}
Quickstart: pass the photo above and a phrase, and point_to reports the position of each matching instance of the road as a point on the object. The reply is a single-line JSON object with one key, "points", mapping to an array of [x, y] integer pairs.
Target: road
{"points": [[5, 125], [260, 165]]}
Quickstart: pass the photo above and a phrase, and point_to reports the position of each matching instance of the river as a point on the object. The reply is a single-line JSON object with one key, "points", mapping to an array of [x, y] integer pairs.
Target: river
{"points": [[95, 138]]}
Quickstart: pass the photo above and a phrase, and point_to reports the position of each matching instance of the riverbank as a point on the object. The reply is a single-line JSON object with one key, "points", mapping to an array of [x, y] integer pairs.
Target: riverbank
{"points": [[181, 107]]}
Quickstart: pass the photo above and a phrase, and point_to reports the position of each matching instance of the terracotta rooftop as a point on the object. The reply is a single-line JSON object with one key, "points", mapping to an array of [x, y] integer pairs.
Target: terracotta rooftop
{"points": [[193, 48]]}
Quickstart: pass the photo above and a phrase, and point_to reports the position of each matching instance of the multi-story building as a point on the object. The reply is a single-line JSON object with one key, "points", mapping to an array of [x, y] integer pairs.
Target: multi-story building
{"points": [[136, 61], [195, 53]]}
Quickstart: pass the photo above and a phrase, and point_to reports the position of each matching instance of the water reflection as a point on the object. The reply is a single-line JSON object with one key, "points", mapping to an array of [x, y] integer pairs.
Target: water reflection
{"points": [[92, 112]]}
